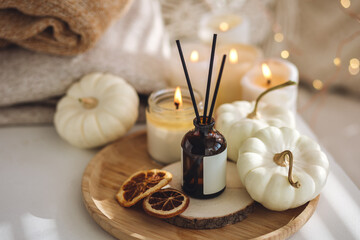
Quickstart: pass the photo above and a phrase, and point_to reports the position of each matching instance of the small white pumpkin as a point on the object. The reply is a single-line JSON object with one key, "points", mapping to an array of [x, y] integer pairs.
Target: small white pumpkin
{"points": [[96, 110], [239, 120], [282, 169]]}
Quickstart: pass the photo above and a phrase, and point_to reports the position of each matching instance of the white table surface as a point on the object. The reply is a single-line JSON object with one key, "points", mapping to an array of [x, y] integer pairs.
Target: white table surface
{"points": [[40, 187]]}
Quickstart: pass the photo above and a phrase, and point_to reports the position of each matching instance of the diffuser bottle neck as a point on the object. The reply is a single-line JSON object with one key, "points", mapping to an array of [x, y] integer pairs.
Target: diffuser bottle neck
{"points": [[203, 140], [204, 128]]}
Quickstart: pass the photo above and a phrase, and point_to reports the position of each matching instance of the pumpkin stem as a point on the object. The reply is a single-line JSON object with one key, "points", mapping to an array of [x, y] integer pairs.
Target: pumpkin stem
{"points": [[88, 102], [280, 159], [253, 114]]}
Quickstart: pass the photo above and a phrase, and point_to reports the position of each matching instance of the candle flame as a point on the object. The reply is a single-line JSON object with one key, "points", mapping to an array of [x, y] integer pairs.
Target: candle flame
{"points": [[194, 56], [224, 26], [178, 98], [233, 56], [266, 71]]}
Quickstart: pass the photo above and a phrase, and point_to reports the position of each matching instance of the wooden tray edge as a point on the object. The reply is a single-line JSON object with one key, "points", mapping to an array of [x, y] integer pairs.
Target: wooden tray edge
{"points": [[293, 226]]}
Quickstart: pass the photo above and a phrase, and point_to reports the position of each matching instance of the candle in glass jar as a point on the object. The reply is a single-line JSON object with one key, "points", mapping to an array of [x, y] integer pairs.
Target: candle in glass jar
{"points": [[240, 59], [268, 74], [169, 116], [197, 57]]}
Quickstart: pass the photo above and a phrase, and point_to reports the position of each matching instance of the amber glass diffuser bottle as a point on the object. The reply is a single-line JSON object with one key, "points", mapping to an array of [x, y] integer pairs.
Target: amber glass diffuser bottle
{"points": [[203, 159]]}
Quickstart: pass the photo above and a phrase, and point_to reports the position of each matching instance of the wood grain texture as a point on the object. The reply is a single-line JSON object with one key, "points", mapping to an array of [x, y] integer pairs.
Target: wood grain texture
{"points": [[232, 206], [110, 168]]}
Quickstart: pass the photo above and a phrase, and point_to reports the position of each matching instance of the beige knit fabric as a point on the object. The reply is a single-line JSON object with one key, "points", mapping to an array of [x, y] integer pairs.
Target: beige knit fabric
{"points": [[63, 27], [134, 48]]}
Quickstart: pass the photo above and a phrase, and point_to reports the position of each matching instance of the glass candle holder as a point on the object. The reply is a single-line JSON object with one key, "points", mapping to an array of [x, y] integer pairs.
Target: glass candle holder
{"points": [[204, 155], [167, 125]]}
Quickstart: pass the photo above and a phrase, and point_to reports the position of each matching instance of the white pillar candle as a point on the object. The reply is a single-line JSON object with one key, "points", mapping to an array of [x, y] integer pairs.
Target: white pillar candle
{"points": [[240, 59], [258, 80], [167, 124], [197, 57], [230, 28]]}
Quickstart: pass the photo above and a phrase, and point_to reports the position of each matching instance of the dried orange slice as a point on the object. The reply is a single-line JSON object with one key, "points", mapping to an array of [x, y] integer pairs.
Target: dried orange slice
{"points": [[142, 184], [166, 203]]}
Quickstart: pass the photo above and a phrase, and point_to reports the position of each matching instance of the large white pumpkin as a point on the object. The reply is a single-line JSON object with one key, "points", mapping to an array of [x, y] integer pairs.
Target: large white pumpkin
{"points": [[281, 168], [98, 109]]}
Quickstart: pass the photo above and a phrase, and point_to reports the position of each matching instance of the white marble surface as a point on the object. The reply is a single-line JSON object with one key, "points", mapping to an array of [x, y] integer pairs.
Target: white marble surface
{"points": [[40, 186]]}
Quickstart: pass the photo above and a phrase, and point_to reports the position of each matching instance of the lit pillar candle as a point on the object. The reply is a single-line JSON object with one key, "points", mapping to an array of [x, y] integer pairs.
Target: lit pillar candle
{"points": [[197, 57], [270, 73], [230, 28], [240, 59], [169, 116]]}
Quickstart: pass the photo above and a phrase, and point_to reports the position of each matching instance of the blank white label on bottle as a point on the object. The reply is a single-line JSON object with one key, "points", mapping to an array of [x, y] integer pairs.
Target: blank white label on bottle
{"points": [[214, 172]]}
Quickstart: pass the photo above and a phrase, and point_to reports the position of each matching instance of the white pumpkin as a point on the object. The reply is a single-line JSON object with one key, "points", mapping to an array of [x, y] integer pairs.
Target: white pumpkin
{"points": [[233, 122], [96, 110], [282, 169], [239, 120]]}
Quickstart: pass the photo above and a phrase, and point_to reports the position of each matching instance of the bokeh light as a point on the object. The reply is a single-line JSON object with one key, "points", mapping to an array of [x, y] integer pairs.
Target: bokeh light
{"points": [[285, 54], [279, 37], [317, 84], [337, 61], [345, 3], [354, 63], [353, 71]]}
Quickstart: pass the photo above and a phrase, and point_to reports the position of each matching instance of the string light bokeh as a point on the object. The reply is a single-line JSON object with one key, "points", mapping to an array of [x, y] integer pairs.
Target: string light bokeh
{"points": [[318, 84], [322, 85]]}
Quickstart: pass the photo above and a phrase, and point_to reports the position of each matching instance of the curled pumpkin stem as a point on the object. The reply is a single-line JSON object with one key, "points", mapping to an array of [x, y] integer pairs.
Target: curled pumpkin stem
{"points": [[88, 102], [253, 114], [280, 159]]}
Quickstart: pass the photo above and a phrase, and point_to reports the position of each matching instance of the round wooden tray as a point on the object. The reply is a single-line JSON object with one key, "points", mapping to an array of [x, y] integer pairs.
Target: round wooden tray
{"points": [[114, 164]]}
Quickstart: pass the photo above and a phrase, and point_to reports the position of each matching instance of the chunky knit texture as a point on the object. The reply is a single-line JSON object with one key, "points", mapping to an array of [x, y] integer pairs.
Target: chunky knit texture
{"points": [[65, 27]]}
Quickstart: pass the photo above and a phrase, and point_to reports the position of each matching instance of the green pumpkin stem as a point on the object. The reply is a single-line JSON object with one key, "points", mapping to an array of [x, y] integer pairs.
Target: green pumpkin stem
{"points": [[280, 159], [253, 114]]}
